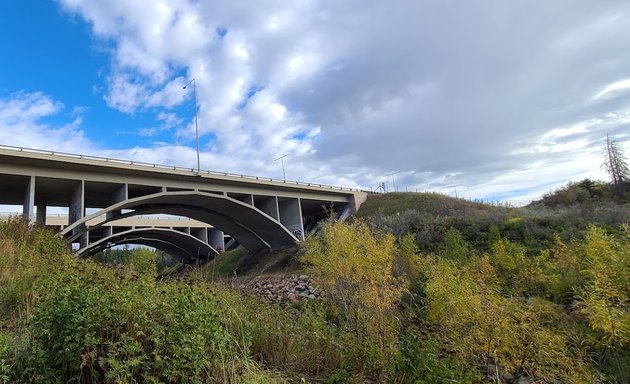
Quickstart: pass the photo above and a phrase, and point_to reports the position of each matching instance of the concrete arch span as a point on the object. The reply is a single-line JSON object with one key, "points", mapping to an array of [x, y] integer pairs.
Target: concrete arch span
{"points": [[178, 244], [248, 225]]}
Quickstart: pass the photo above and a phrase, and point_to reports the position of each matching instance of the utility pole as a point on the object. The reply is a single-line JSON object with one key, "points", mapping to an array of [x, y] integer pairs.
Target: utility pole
{"points": [[196, 125], [454, 187], [393, 179], [281, 158]]}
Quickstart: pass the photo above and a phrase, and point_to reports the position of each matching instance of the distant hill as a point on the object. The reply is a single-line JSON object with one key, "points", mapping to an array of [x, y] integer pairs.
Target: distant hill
{"points": [[432, 203], [565, 213]]}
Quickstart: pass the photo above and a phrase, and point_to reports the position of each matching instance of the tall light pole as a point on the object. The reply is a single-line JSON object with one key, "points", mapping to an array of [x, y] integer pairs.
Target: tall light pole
{"points": [[393, 174], [196, 125], [281, 158], [454, 187]]}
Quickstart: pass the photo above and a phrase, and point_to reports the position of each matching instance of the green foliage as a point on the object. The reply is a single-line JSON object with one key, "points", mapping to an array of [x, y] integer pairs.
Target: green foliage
{"points": [[5, 346], [226, 263], [26, 252], [300, 341], [454, 247], [486, 329], [77, 321], [424, 360], [123, 330], [429, 217], [125, 256], [518, 273], [355, 267], [493, 235], [586, 191], [606, 295]]}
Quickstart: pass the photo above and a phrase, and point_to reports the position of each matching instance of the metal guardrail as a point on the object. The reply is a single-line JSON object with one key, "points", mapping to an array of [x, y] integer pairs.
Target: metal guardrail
{"points": [[140, 217], [172, 168]]}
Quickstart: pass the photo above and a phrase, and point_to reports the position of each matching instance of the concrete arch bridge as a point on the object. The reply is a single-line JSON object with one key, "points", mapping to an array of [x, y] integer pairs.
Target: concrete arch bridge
{"points": [[191, 215]]}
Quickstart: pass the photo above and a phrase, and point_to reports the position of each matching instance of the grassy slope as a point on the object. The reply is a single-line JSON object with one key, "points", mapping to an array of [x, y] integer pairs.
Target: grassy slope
{"points": [[433, 203], [238, 262]]}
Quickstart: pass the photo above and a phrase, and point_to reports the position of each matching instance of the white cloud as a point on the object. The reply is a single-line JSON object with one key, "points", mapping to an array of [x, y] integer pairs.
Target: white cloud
{"points": [[23, 124], [620, 85], [356, 90]]}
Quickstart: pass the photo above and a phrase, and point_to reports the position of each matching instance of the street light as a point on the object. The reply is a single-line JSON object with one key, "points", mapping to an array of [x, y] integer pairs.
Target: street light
{"points": [[393, 174], [196, 125], [454, 187], [281, 158]]}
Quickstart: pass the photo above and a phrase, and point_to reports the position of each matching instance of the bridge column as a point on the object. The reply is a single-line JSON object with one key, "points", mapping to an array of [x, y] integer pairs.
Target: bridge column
{"points": [[216, 239], [41, 214], [28, 209], [291, 216], [77, 210], [120, 194], [200, 233]]}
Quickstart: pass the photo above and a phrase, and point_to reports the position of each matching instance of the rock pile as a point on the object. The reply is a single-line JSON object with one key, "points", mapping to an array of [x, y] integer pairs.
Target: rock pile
{"points": [[285, 289]]}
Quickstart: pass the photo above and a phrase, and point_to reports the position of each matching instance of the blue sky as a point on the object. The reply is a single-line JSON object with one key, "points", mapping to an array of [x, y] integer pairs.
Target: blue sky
{"points": [[52, 51], [507, 100]]}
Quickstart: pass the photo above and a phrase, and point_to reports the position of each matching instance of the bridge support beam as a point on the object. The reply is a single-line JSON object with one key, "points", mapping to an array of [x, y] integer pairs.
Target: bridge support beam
{"points": [[41, 214], [120, 194], [291, 216], [76, 210], [200, 233], [28, 209], [216, 239]]}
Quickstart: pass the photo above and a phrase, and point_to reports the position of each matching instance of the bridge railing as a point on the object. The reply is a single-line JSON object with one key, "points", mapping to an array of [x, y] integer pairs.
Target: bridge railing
{"points": [[6, 214], [172, 168]]}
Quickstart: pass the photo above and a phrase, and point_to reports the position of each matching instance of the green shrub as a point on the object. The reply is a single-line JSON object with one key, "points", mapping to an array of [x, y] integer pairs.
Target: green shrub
{"points": [[484, 328], [26, 252], [104, 327], [454, 247], [606, 296], [424, 360], [355, 268]]}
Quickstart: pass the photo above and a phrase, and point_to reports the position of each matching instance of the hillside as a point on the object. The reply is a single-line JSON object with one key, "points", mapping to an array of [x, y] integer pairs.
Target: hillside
{"points": [[430, 216], [431, 203]]}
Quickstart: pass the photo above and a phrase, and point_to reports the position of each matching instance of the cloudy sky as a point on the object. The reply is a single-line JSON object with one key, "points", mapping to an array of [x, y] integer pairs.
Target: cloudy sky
{"points": [[497, 100]]}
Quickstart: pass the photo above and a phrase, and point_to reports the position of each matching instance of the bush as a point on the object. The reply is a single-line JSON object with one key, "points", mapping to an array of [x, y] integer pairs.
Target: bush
{"points": [[606, 296], [26, 253], [100, 325], [355, 268], [501, 335]]}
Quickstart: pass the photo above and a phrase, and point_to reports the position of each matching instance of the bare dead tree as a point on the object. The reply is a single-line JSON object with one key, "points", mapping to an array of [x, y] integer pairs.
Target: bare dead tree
{"points": [[615, 165]]}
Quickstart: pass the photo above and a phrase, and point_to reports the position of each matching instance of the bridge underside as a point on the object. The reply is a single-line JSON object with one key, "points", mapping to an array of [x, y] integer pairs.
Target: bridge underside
{"points": [[182, 246], [248, 225]]}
